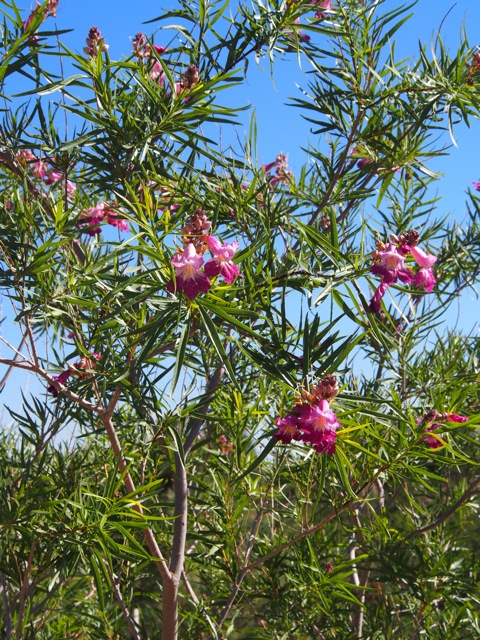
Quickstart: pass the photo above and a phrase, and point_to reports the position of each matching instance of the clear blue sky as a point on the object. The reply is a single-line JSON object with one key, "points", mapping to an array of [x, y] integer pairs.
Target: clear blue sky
{"points": [[281, 128]]}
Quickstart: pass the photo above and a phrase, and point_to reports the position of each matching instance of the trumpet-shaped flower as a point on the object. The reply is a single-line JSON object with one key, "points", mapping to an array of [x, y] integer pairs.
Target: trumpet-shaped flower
{"points": [[287, 428], [188, 276], [222, 260], [62, 379], [390, 267], [424, 278], [424, 260], [319, 424]]}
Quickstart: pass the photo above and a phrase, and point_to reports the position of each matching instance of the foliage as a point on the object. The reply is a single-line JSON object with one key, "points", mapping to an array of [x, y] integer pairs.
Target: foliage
{"points": [[178, 504]]}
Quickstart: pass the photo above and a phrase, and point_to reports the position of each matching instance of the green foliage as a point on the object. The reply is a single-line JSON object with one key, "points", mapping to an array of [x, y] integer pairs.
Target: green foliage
{"points": [[173, 424]]}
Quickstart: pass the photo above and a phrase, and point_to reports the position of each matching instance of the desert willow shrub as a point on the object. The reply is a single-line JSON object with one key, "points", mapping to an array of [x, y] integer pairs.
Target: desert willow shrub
{"points": [[275, 428]]}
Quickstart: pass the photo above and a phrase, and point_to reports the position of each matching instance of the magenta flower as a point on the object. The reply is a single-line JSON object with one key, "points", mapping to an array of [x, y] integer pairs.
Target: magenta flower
{"points": [[424, 260], [362, 162], [188, 277], [476, 185], [319, 424], [226, 447], [222, 260], [62, 379], [454, 417], [53, 176], [432, 441], [287, 428], [326, 5], [391, 267], [91, 218], [71, 188], [424, 278], [117, 221], [39, 169], [376, 302], [157, 73]]}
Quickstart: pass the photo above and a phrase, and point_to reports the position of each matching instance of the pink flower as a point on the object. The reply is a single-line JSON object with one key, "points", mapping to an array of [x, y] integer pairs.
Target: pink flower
{"points": [[454, 417], [391, 267], [287, 428], [188, 277], [319, 424], [53, 176], [326, 5], [26, 156], [71, 188], [425, 260], [39, 169], [226, 447], [362, 162], [303, 37], [376, 302], [62, 379], [433, 441], [476, 185], [222, 260], [117, 221], [424, 278], [91, 218], [157, 73]]}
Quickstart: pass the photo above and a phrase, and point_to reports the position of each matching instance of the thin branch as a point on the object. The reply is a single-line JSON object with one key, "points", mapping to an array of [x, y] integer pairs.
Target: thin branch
{"points": [[130, 485], [243, 571], [24, 590], [8, 620], [177, 559], [197, 422], [11, 367], [119, 598], [8, 160], [471, 491], [189, 587]]}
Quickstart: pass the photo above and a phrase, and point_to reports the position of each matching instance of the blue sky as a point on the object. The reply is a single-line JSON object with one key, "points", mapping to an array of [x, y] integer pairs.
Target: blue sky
{"points": [[281, 128]]}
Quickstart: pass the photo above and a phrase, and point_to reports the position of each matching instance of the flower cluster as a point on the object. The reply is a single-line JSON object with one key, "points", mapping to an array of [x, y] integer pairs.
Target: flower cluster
{"points": [[226, 447], [430, 420], [473, 67], [95, 43], [188, 262], [42, 171], [389, 262], [82, 368], [282, 175], [311, 420], [143, 50], [90, 219], [49, 10]]}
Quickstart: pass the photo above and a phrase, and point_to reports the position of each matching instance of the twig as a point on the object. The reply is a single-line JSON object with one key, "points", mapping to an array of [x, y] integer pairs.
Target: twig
{"points": [[11, 367], [189, 587], [10, 162], [471, 491], [8, 622], [23, 591], [243, 571], [119, 598], [197, 422]]}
